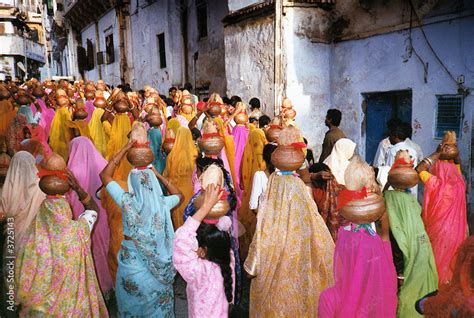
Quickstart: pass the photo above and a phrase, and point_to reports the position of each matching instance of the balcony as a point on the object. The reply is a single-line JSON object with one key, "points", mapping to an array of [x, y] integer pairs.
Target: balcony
{"points": [[81, 13], [13, 44]]}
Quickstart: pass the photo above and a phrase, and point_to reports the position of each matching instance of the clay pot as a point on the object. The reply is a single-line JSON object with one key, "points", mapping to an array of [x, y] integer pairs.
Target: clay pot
{"points": [[62, 101], [449, 152], [53, 185], [140, 156], [365, 210], [187, 109], [214, 110], [80, 114], [403, 177], [218, 210], [121, 106], [100, 102], [224, 110], [272, 133], [4, 94], [38, 92], [290, 113], [154, 120], [168, 145], [212, 145], [4, 163], [287, 158], [89, 95], [241, 118], [23, 100]]}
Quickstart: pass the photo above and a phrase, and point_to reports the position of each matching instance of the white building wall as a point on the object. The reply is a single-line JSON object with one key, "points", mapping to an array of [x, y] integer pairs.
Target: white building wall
{"points": [[235, 5]]}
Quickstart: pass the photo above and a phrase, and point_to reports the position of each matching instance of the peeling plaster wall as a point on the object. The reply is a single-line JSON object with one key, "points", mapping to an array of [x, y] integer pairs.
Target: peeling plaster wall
{"points": [[146, 23], [376, 64], [235, 5], [210, 65], [249, 57]]}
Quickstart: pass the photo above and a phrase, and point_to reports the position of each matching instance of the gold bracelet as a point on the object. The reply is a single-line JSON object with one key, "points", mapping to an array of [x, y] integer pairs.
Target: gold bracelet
{"points": [[86, 200]]}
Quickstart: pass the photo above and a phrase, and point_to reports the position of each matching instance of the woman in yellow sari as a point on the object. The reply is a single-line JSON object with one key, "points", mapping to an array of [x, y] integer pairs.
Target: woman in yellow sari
{"points": [[291, 254], [119, 131], [180, 165], [7, 112], [97, 131], [252, 161], [60, 135]]}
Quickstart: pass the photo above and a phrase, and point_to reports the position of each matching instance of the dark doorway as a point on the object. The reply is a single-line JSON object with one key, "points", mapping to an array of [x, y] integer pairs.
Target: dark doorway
{"points": [[380, 108]]}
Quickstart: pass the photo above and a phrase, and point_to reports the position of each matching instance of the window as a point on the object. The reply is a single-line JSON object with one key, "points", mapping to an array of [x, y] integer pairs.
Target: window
{"points": [[161, 49], [90, 55], [109, 49], [449, 114], [201, 9]]}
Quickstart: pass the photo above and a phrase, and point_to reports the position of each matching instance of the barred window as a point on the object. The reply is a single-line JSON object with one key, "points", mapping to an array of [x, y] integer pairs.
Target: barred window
{"points": [[449, 114]]}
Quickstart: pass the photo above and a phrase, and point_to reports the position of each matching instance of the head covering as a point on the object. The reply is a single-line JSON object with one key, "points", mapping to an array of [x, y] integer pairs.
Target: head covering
{"points": [[21, 195], [121, 127], [60, 135], [174, 125], [97, 132], [155, 137], [26, 110], [86, 163], [338, 160], [15, 133]]}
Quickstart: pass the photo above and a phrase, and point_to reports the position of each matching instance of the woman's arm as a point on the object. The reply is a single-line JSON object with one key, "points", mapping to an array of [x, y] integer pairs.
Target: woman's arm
{"points": [[425, 164], [172, 190], [86, 199], [211, 196], [107, 173]]}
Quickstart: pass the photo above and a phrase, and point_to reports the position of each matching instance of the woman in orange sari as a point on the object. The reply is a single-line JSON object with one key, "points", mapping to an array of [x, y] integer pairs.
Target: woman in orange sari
{"points": [[180, 165], [120, 129]]}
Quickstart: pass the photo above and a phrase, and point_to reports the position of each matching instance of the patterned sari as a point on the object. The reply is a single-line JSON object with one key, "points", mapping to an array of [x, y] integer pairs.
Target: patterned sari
{"points": [[145, 273], [54, 270], [291, 254]]}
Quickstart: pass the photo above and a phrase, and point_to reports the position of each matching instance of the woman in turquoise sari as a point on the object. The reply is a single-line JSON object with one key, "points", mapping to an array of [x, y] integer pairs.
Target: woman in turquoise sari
{"points": [[145, 275], [155, 137]]}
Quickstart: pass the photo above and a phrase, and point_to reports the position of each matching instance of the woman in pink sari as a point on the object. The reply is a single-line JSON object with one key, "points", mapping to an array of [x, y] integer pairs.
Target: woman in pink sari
{"points": [[86, 163], [444, 210], [47, 114], [241, 134]]}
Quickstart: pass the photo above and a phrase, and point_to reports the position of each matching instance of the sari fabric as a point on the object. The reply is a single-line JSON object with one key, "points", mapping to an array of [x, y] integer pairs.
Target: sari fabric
{"points": [[145, 274], [21, 195], [228, 155], [60, 135], [252, 161], [444, 214], [419, 271], [54, 270], [338, 160], [96, 129], [365, 278], [7, 113], [180, 165], [174, 125], [47, 115], [326, 199], [241, 135], [15, 133], [39, 134], [121, 127], [86, 164], [30, 118], [90, 109], [81, 126], [155, 137], [291, 254], [114, 220]]}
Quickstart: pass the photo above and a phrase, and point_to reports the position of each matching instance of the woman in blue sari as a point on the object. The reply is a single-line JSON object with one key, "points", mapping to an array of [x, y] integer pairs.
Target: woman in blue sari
{"points": [[145, 275], [155, 137]]}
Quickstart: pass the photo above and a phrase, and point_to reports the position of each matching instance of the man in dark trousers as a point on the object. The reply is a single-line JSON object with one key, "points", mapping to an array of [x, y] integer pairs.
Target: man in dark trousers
{"points": [[333, 120]]}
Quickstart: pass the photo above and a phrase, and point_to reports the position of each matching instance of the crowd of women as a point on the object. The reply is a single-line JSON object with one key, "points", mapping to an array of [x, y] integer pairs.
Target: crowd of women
{"points": [[228, 195]]}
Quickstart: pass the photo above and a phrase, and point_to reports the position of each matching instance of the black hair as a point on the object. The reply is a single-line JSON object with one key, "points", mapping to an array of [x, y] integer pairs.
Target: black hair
{"points": [[206, 99], [169, 101], [217, 245], [252, 120], [335, 116], [392, 124], [226, 100], [254, 103], [196, 133], [408, 129], [127, 89], [267, 156], [234, 100], [263, 121], [141, 92], [203, 162], [318, 167], [172, 88], [188, 87], [400, 132]]}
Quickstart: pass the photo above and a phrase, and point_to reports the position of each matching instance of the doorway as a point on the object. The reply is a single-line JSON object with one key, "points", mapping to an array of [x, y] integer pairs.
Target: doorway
{"points": [[380, 108]]}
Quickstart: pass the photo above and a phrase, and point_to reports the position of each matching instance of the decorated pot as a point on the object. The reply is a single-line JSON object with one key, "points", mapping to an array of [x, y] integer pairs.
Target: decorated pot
{"points": [[241, 118], [363, 211], [100, 102], [212, 145], [449, 152], [288, 158], [403, 177], [54, 185], [218, 210], [272, 132], [140, 156], [214, 109]]}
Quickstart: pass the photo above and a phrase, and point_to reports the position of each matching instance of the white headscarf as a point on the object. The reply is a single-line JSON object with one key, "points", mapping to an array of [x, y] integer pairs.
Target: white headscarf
{"points": [[21, 195], [338, 160]]}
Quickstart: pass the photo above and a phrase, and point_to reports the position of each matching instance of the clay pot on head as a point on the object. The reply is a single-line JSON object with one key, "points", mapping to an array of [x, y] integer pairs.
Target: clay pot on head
{"points": [[23, 100], [449, 152], [4, 164], [121, 106], [100, 102], [218, 210], [80, 114], [154, 120], [272, 133], [168, 145], [403, 177], [214, 109], [53, 185], [4, 94], [89, 95], [287, 158], [365, 210], [290, 113], [62, 101], [140, 156], [241, 118], [38, 92], [212, 145], [187, 109]]}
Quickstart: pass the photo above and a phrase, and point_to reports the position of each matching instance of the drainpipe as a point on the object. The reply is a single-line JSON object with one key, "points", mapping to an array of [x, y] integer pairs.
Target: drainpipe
{"points": [[278, 57], [97, 43], [123, 53], [184, 33]]}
